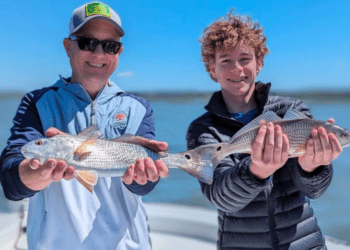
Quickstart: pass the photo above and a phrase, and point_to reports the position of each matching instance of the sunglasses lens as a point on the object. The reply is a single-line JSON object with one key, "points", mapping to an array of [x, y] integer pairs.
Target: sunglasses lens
{"points": [[86, 44], [111, 47], [90, 44]]}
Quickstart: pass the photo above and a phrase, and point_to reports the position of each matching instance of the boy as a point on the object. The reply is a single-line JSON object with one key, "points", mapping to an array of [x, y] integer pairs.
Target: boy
{"points": [[262, 198]]}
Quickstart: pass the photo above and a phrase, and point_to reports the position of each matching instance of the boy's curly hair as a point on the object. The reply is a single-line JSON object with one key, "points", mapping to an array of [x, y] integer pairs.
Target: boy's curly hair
{"points": [[226, 32]]}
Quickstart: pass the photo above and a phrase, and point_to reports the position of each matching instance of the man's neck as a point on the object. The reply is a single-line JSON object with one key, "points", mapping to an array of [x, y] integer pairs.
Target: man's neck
{"points": [[92, 88]]}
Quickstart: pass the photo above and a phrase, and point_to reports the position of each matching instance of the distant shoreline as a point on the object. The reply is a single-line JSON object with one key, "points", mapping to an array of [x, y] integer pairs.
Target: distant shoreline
{"points": [[322, 95]]}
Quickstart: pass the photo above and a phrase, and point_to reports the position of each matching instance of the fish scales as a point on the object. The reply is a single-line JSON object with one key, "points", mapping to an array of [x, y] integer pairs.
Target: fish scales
{"points": [[104, 154], [298, 132], [295, 125], [92, 155]]}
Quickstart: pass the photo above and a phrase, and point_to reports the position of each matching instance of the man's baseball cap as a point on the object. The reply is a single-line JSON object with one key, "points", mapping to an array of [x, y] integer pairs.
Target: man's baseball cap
{"points": [[94, 10]]}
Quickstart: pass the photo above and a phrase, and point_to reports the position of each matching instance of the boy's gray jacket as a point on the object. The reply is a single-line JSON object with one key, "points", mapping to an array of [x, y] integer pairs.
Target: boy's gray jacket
{"points": [[253, 214]]}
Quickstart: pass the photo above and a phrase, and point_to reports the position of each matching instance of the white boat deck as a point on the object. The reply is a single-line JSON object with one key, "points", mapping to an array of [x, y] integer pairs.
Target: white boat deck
{"points": [[173, 227]]}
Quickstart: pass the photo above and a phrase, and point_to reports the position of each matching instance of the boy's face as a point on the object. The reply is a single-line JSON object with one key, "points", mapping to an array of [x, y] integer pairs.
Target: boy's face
{"points": [[236, 70]]}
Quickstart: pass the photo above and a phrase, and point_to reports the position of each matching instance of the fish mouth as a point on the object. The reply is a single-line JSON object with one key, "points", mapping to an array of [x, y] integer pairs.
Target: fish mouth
{"points": [[29, 155]]}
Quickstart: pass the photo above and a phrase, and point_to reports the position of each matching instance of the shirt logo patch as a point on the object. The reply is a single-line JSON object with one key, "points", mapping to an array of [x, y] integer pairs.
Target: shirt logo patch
{"points": [[97, 9], [121, 120]]}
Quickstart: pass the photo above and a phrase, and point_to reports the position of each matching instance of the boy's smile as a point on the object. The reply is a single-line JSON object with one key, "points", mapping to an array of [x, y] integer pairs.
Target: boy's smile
{"points": [[236, 70]]}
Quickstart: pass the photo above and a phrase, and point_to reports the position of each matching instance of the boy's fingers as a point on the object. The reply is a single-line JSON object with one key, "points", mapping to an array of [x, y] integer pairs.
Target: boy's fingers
{"points": [[336, 147], [269, 143], [331, 120], [258, 143], [278, 144], [285, 148]]}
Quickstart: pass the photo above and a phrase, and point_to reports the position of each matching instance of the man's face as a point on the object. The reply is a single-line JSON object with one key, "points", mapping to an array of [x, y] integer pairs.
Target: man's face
{"points": [[93, 67], [236, 70]]}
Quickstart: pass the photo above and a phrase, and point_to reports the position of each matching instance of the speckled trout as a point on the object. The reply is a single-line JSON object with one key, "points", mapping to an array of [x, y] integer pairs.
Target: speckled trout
{"points": [[294, 124], [92, 155]]}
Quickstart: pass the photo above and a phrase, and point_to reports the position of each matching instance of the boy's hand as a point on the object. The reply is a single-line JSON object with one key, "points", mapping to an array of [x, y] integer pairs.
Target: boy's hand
{"points": [[265, 161], [146, 169], [320, 150]]}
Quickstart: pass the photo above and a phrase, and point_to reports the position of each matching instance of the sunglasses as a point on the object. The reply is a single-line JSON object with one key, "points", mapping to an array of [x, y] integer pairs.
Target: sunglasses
{"points": [[90, 44]]}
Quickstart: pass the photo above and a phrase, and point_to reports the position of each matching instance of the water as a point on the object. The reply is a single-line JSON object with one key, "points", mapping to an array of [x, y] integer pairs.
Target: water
{"points": [[172, 118]]}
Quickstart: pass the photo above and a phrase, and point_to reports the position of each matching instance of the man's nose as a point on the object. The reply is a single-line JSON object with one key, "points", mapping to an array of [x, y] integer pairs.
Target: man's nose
{"points": [[99, 50]]}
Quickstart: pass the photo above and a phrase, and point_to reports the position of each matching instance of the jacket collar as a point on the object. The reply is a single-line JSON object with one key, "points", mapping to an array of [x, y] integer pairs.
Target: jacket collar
{"points": [[218, 107], [106, 93]]}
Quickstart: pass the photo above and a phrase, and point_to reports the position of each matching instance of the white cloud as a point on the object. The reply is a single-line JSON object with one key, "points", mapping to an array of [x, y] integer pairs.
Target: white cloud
{"points": [[125, 74]]}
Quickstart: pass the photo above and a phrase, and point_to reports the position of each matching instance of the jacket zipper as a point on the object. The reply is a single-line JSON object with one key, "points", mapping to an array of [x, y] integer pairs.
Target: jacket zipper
{"points": [[93, 112], [272, 222], [93, 104]]}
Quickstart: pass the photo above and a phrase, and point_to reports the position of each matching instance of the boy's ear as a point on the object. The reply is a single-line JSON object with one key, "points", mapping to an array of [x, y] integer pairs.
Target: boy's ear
{"points": [[213, 71], [258, 65]]}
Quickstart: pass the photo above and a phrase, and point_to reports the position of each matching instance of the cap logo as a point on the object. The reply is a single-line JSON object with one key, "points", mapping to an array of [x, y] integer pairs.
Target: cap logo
{"points": [[97, 9]]}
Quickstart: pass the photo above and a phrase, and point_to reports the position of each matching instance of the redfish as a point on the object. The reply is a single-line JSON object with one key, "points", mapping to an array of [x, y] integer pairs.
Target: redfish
{"points": [[294, 124], [92, 155]]}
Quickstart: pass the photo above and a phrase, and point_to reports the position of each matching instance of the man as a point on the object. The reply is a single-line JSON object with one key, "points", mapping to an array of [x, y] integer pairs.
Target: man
{"points": [[62, 214], [262, 198]]}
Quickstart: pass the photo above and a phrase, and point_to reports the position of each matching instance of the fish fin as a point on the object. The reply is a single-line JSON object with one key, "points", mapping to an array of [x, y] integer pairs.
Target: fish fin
{"points": [[257, 122], [82, 151], [292, 114], [163, 154], [247, 152], [87, 178], [138, 140], [299, 151], [92, 131]]}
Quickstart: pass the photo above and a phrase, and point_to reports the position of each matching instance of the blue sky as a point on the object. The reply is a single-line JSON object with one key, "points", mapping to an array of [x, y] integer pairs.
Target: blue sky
{"points": [[308, 42]]}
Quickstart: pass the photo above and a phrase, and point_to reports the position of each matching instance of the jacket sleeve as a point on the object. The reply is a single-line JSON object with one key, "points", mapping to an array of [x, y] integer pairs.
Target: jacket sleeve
{"points": [[312, 184], [146, 130], [233, 187], [26, 127]]}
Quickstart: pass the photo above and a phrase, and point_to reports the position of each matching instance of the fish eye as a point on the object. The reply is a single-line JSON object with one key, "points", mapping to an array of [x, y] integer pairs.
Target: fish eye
{"points": [[188, 157], [219, 148], [38, 142], [345, 135]]}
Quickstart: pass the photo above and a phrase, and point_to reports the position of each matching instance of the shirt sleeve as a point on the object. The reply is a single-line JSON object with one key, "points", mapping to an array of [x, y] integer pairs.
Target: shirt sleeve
{"points": [[26, 127], [146, 130]]}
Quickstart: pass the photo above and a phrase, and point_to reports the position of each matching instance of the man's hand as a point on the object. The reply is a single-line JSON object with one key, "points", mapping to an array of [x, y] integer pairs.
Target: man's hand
{"points": [[36, 176], [265, 161], [146, 169], [320, 150]]}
